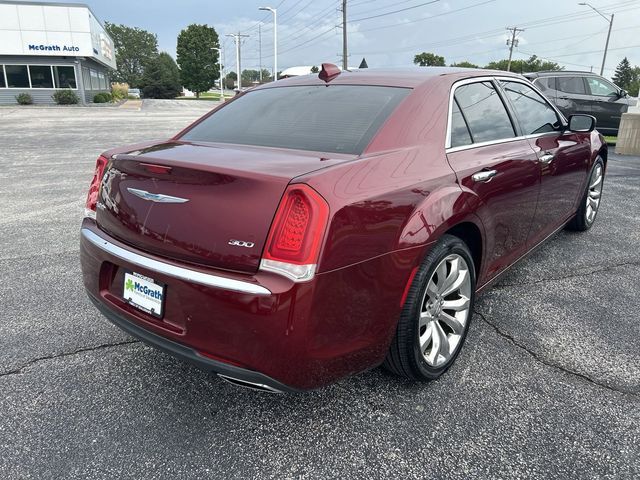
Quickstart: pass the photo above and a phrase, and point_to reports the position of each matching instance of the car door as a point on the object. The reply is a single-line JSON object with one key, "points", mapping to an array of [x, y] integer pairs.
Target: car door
{"points": [[572, 96], [497, 166], [563, 157], [607, 104]]}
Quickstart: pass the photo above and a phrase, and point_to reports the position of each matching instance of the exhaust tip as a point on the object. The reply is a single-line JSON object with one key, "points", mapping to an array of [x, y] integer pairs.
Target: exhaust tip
{"points": [[246, 384]]}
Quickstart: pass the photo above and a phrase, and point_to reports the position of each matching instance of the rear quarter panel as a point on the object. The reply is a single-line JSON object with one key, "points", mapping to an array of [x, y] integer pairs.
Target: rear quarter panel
{"points": [[402, 193]]}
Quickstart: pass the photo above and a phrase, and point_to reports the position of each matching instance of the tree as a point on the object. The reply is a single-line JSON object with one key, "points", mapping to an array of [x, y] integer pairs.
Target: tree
{"points": [[532, 64], [230, 80], [161, 78], [266, 75], [198, 62], [250, 76], [134, 49], [624, 74], [464, 64], [425, 59], [634, 85], [315, 69]]}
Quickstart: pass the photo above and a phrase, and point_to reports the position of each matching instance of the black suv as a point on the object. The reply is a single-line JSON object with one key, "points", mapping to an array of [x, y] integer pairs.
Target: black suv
{"points": [[584, 92]]}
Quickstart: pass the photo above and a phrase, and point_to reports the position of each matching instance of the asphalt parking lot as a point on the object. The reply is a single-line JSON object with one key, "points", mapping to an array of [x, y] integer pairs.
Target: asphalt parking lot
{"points": [[547, 386]]}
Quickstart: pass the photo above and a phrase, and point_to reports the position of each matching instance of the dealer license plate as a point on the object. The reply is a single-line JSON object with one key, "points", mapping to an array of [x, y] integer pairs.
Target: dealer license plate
{"points": [[144, 293]]}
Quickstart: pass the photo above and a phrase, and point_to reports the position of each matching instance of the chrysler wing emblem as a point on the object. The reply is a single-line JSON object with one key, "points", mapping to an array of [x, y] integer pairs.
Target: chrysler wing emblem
{"points": [[156, 197]]}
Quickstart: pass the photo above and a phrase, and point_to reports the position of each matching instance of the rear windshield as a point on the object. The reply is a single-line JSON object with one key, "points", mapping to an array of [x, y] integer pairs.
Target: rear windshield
{"points": [[334, 118]]}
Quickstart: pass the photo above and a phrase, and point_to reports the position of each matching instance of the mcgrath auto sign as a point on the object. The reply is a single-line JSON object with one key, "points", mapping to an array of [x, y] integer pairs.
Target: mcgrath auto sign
{"points": [[54, 48]]}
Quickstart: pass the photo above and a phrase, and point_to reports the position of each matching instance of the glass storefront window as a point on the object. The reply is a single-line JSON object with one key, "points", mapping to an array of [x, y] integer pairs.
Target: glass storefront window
{"points": [[17, 76], [95, 83], [41, 76], [2, 84], [86, 79], [65, 77]]}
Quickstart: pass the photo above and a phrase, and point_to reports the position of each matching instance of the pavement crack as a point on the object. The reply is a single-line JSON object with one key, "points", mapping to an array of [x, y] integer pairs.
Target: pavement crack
{"points": [[600, 269], [547, 363], [20, 370]]}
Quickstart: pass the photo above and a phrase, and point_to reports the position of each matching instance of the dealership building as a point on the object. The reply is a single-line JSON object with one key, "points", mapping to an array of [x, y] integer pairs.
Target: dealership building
{"points": [[49, 46]]}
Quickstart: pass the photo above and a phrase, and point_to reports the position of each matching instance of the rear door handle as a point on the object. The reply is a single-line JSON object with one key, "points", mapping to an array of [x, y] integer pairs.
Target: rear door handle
{"points": [[546, 159], [484, 175]]}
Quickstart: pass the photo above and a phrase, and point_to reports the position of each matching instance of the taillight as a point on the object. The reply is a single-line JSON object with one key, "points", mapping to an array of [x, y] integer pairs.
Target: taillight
{"points": [[94, 188], [296, 234]]}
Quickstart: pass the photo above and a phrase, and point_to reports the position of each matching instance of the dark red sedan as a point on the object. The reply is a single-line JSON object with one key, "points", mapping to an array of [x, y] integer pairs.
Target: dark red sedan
{"points": [[323, 225]]}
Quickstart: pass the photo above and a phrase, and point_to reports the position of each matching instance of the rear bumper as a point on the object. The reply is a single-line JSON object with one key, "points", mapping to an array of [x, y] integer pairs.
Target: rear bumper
{"points": [[229, 372], [298, 336]]}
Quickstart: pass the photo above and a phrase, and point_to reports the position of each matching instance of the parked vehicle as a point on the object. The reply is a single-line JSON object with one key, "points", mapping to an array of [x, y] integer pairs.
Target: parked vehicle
{"points": [[319, 226], [584, 92], [134, 92]]}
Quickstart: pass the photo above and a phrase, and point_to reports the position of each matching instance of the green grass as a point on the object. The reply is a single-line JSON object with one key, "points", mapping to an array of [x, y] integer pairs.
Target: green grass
{"points": [[205, 96], [210, 99], [609, 139]]}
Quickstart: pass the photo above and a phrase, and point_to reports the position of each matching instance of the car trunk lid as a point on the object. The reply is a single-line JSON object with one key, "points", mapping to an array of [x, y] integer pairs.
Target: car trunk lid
{"points": [[209, 205]]}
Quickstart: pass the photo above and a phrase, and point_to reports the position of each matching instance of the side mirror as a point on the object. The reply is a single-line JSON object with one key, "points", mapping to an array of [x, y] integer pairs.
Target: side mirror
{"points": [[582, 123], [623, 94]]}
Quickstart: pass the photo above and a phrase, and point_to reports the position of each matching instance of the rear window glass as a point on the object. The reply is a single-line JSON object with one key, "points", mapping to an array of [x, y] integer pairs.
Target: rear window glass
{"points": [[334, 118]]}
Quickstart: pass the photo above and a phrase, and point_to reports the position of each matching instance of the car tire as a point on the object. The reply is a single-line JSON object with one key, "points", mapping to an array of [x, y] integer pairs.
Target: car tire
{"points": [[430, 333], [590, 201]]}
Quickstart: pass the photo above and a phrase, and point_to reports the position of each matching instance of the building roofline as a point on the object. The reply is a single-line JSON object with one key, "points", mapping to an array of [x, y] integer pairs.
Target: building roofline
{"points": [[58, 4]]}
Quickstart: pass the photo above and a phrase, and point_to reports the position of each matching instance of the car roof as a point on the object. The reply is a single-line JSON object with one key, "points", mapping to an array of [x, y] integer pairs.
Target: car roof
{"points": [[394, 77]]}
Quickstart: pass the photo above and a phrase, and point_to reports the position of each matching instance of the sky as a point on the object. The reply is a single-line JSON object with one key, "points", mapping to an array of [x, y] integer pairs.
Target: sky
{"points": [[388, 33]]}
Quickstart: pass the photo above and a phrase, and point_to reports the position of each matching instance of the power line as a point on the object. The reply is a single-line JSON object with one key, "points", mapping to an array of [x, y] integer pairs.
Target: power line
{"points": [[427, 18], [395, 11]]}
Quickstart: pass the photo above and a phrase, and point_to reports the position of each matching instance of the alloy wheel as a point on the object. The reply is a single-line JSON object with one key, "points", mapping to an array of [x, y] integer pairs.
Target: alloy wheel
{"points": [[445, 310], [593, 194]]}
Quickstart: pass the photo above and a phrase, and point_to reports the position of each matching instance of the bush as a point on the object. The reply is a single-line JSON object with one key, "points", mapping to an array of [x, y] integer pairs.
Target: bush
{"points": [[24, 99], [119, 91], [102, 97], [160, 91], [65, 97]]}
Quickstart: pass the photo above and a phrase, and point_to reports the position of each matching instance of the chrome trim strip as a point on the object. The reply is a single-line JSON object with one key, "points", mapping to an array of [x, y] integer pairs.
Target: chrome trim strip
{"points": [[247, 384], [182, 273]]}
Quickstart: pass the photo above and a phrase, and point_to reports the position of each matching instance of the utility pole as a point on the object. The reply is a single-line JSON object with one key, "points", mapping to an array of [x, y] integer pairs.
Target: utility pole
{"points": [[513, 42], [260, 48], [238, 38], [606, 45], [345, 63]]}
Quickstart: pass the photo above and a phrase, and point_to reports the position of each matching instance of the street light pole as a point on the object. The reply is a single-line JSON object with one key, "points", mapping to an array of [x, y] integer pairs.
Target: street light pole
{"points": [[610, 21], [275, 39], [220, 70]]}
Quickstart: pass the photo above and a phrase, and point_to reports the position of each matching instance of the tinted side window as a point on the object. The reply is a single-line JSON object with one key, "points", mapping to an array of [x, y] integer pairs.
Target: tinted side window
{"points": [[541, 83], [459, 131], [600, 87], [534, 114], [571, 85], [484, 111]]}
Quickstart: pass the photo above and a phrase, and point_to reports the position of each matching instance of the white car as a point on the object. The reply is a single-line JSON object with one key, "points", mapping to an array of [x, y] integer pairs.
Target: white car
{"points": [[134, 92]]}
